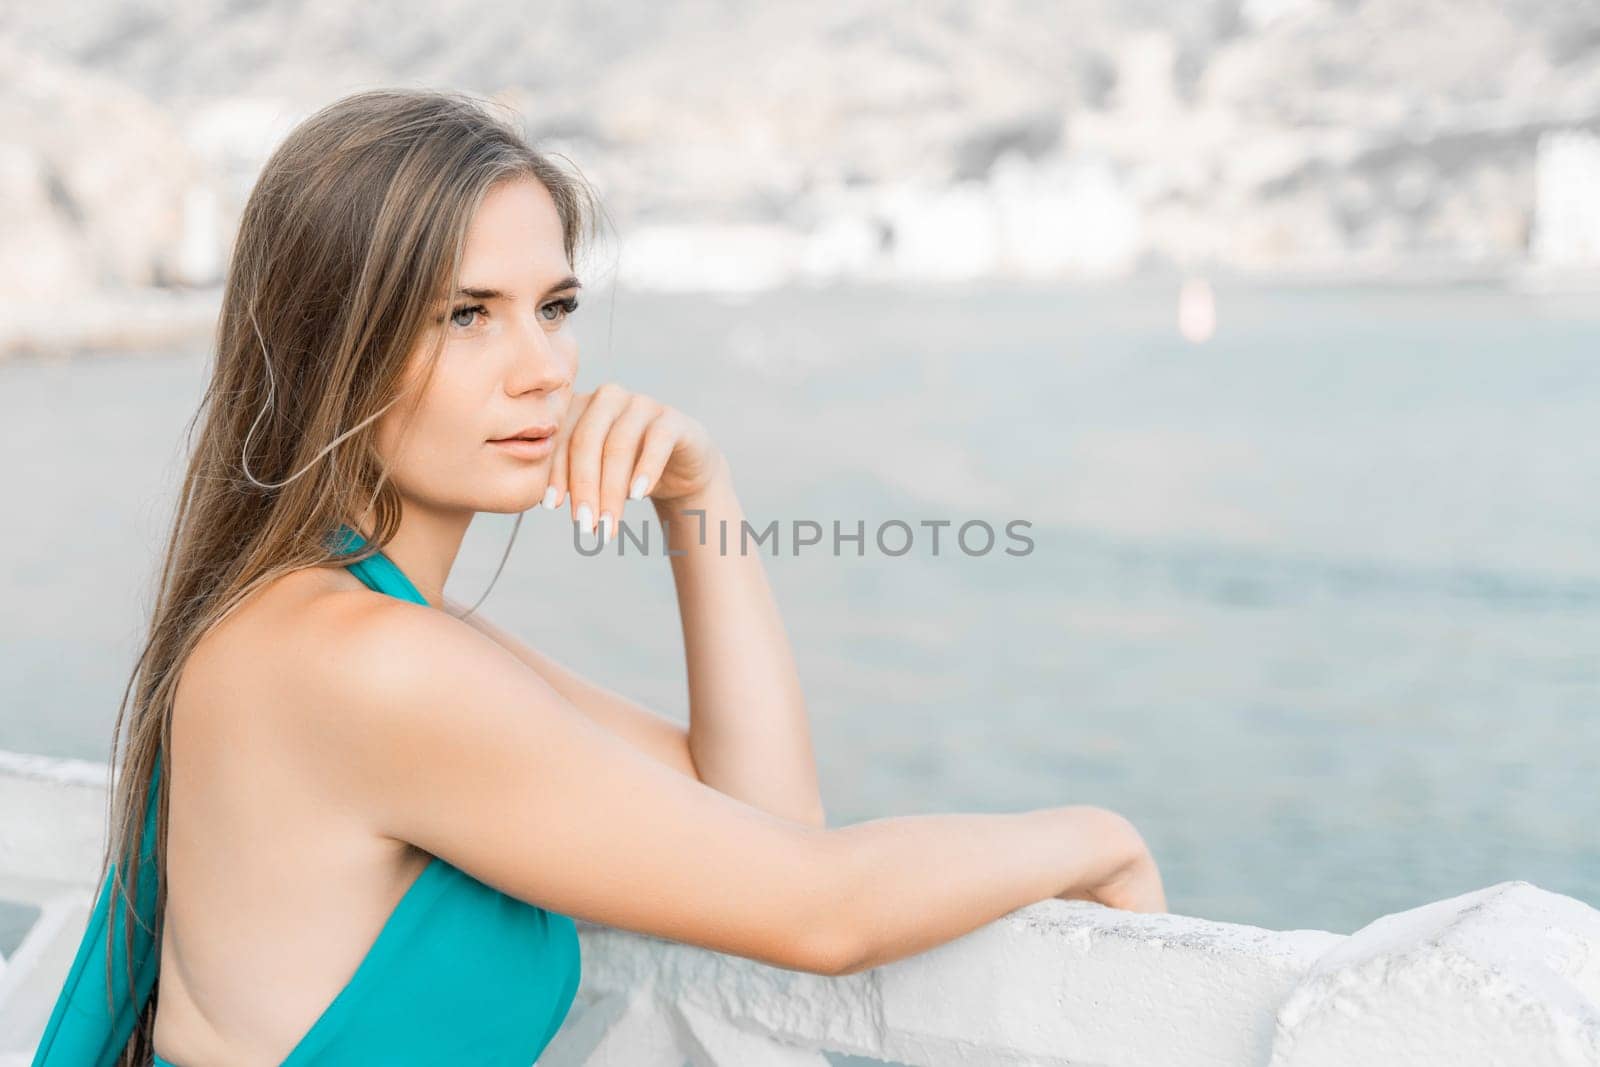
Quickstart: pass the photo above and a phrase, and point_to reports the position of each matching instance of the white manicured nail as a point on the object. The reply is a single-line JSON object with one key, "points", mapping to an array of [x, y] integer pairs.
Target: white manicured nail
{"points": [[585, 518], [637, 489], [550, 496], [605, 527]]}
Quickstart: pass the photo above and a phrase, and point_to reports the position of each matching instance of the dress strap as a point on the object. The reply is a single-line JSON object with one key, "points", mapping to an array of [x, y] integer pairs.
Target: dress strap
{"points": [[378, 571]]}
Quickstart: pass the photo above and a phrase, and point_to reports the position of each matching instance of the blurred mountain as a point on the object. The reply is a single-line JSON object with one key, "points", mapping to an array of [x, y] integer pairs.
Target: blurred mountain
{"points": [[881, 139]]}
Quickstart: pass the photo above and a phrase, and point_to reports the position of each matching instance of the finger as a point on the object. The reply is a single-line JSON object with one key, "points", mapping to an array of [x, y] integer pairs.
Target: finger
{"points": [[558, 460], [583, 462], [660, 438], [618, 457]]}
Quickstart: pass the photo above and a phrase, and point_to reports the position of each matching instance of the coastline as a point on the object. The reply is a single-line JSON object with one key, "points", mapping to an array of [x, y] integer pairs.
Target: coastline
{"points": [[131, 320]]}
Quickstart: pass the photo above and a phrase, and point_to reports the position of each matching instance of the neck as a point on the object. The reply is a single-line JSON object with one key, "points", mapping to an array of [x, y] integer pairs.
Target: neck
{"points": [[424, 546]]}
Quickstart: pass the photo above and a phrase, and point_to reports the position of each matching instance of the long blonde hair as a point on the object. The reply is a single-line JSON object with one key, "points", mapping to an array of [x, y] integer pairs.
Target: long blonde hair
{"points": [[353, 231]]}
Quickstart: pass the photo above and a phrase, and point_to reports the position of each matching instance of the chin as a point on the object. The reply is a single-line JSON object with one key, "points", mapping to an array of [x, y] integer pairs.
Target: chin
{"points": [[511, 499]]}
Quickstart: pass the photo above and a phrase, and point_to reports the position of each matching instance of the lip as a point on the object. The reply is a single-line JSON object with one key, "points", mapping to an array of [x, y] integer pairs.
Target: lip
{"points": [[527, 432], [537, 449]]}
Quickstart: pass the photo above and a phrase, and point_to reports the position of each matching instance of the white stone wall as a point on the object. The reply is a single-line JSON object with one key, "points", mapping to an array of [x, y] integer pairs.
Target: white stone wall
{"points": [[1508, 974]]}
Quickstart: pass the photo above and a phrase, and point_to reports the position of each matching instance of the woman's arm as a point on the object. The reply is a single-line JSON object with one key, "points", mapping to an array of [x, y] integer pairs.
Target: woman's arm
{"points": [[650, 731], [428, 732], [747, 716], [748, 731]]}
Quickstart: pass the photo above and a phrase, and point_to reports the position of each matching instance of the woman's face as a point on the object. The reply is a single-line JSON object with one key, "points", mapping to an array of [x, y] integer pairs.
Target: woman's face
{"points": [[508, 363]]}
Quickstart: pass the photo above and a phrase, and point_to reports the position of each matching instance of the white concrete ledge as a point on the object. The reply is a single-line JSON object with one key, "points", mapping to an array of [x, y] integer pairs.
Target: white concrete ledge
{"points": [[1055, 983], [1509, 974], [53, 824]]}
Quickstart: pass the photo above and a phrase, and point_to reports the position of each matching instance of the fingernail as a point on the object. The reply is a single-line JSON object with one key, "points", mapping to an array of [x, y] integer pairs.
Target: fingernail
{"points": [[637, 489], [585, 518], [605, 527], [550, 495]]}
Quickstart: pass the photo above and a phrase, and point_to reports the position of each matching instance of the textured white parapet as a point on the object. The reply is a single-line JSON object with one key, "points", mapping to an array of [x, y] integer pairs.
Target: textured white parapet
{"points": [[1075, 983], [52, 825], [1057, 982], [1504, 975]]}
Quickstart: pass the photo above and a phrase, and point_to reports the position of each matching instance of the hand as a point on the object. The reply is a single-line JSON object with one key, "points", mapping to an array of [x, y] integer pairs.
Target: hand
{"points": [[615, 445], [1130, 880]]}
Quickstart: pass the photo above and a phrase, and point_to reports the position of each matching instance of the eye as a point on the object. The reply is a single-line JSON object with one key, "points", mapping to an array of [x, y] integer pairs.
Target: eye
{"points": [[466, 309], [565, 306]]}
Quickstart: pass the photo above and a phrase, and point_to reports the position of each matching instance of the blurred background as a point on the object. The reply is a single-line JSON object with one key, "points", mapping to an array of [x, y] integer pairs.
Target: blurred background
{"points": [[1279, 320]]}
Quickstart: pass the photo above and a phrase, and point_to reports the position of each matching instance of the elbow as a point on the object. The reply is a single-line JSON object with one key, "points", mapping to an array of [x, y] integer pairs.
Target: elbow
{"points": [[831, 951], [835, 960], [833, 941], [807, 813], [850, 953], [811, 811]]}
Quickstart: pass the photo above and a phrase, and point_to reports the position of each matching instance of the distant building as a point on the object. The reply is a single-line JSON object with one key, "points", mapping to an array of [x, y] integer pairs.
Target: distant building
{"points": [[1566, 223]]}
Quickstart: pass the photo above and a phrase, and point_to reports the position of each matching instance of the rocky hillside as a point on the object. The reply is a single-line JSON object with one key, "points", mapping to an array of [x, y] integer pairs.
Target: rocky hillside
{"points": [[882, 139]]}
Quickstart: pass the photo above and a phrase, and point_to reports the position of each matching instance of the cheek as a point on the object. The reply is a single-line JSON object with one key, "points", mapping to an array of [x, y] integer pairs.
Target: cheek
{"points": [[567, 345], [387, 439], [407, 439], [449, 420]]}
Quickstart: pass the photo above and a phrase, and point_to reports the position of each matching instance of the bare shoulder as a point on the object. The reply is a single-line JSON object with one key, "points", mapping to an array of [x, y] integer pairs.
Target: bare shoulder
{"points": [[283, 630], [342, 651], [431, 733], [254, 652], [287, 659]]}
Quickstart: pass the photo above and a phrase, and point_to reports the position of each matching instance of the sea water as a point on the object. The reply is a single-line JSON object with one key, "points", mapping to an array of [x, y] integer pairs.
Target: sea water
{"points": [[1315, 603]]}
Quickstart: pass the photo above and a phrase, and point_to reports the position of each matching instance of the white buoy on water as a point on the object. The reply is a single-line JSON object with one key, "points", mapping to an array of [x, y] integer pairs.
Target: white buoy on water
{"points": [[1197, 311]]}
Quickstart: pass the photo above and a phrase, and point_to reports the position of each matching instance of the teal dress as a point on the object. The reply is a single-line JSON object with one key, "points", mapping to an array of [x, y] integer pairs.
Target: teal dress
{"points": [[460, 973]]}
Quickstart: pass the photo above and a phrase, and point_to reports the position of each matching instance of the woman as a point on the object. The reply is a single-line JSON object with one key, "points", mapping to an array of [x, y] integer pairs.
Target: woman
{"points": [[365, 818]]}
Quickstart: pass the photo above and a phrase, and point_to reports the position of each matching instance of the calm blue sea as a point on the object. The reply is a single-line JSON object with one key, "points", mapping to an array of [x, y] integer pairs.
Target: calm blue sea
{"points": [[1316, 603]]}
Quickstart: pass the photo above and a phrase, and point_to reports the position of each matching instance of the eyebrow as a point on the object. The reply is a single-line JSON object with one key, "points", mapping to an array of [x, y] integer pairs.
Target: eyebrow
{"points": [[476, 293]]}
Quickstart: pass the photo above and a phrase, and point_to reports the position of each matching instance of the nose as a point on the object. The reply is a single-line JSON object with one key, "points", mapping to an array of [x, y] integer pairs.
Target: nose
{"points": [[542, 361]]}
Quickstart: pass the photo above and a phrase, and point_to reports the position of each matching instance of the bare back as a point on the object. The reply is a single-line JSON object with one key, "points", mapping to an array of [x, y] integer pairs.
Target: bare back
{"points": [[274, 892]]}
